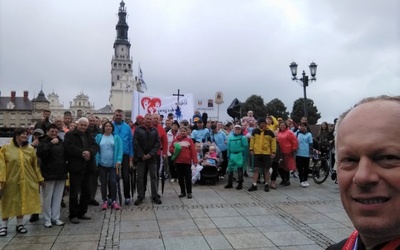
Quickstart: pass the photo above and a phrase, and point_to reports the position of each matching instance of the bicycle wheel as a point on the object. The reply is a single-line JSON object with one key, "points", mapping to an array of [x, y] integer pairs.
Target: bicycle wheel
{"points": [[320, 171]]}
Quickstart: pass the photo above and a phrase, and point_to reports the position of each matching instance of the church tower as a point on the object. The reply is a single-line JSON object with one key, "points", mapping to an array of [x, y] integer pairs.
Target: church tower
{"points": [[123, 83]]}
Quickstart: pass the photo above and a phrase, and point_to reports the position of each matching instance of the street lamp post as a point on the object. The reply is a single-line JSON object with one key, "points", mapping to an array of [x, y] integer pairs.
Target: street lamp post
{"points": [[304, 80]]}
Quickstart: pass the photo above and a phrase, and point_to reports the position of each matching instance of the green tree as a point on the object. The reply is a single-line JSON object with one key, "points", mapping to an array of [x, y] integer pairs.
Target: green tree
{"points": [[277, 108], [256, 104], [298, 111]]}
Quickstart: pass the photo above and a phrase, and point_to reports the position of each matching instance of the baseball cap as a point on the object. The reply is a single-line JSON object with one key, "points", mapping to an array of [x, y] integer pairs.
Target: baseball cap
{"points": [[238, 126], [38, 131], [139, 117]]}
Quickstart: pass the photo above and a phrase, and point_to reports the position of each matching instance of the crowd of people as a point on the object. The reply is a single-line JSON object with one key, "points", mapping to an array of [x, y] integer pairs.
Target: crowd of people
{"points": [[367, 159]]}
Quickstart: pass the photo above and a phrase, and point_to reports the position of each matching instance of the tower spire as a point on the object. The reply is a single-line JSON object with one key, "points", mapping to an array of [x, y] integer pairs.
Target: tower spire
{"points": [[122, 27]]}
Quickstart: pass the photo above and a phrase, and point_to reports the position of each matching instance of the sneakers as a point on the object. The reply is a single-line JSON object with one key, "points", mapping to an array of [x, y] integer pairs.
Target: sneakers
{"points": [[306, 182], [189, 196], [229, 185], [105, 205], [182, 195], [294, 174], [58, 222], [48, 224], [127, 201], [239, 186], [266, 188], [172, 180], [303, 184], [115, 206], [252, 188]]}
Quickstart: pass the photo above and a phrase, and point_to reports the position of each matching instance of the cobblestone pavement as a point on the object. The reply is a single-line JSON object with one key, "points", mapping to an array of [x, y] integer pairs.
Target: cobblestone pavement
{"points": [[216, 218]]}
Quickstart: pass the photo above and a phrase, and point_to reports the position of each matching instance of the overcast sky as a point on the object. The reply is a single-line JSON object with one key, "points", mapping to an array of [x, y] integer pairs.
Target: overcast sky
{"points": [[239, 47]]}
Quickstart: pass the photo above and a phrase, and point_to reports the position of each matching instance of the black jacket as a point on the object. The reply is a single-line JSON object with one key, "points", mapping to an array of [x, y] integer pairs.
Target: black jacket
{"points": [[52, 156], [75, 143], [145, 141]]}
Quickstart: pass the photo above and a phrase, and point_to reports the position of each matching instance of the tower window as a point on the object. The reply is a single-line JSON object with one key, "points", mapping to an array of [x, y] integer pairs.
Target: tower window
{"points": [[112, 84], [122, 49], [124, 65], [129, 66], [115, 65], [117, 77], [119, 65]]}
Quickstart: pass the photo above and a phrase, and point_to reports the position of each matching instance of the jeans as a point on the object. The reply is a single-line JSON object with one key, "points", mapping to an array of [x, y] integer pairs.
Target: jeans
{"points": [[108, 175]]}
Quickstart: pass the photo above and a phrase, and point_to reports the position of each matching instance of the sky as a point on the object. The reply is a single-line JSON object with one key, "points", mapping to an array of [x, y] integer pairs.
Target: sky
{"points": [[239, 47]]}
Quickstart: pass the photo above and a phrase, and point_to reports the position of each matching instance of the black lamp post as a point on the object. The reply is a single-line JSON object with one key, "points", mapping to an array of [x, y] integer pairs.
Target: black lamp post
{"points": [[304, 80]]}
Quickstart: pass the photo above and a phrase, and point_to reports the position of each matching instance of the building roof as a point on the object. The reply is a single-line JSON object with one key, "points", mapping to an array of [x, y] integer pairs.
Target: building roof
{"points": [[40, 98], [19, 103], [104, 110]]}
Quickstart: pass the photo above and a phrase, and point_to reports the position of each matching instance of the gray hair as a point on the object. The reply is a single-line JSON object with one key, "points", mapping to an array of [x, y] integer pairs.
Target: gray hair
{"points": [[83, 119]]}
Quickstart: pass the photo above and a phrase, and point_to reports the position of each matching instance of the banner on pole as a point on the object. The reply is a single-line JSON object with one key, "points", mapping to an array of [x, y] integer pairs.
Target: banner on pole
{"points": [[163, 105]]}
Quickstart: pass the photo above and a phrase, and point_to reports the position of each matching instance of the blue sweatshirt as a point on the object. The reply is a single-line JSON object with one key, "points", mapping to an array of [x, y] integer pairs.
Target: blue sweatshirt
{"points": [[125, 133]]}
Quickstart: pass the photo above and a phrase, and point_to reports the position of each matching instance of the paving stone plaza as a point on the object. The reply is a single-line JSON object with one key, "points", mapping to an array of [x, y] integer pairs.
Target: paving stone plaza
{"points": [[216, 218]]}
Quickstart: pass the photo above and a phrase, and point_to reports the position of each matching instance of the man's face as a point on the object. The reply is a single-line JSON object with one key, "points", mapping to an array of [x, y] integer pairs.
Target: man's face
{"points": [[46, 114], [59, 123], [200, 125], [168, 123], [82, 126], [155, 119], [52, 133], [368, 158], [92, 122], [118, 117], [67, 119], [147, 120], [237, 131]]}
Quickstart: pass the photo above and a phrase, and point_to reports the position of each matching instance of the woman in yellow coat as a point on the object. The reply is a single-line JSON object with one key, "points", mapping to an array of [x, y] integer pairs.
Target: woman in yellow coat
{"points": [[19, 179]]}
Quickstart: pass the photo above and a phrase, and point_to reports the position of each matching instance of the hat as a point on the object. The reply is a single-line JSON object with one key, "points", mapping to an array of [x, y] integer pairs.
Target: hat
{"points": [[238, 126], [280, 119], [261, 120], [176, 123], [139, 117], [196, 119], [38, 131]]}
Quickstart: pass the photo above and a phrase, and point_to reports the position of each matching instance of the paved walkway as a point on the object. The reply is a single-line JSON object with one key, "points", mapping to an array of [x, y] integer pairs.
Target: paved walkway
{"points": [[216, 218]]}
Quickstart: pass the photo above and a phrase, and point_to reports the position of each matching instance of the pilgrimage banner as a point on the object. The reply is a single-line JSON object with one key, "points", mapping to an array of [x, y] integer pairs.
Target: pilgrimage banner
{"points": [[144, 103]]}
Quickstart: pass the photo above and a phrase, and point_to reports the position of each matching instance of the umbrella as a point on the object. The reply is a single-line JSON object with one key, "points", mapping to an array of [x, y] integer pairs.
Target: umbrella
{"points": [[132, 173], [162, 178], [118, 171]]}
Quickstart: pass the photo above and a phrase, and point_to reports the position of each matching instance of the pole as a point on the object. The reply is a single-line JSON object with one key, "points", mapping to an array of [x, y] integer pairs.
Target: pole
{"points": [[305, 101], [218, 113]]}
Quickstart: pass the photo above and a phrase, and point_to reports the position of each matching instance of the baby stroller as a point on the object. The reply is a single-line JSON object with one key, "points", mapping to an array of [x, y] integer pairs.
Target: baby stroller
{"points": [[211, 169]]}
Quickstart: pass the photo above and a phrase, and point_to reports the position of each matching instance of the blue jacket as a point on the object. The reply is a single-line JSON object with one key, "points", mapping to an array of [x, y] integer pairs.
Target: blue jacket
{"points": [[117, 149], [305, 140], [220, 140], [125, 133]]}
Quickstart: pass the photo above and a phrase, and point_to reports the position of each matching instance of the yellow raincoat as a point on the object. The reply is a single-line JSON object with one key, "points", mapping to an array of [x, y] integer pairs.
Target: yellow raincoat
{"points": [[20, 175]]}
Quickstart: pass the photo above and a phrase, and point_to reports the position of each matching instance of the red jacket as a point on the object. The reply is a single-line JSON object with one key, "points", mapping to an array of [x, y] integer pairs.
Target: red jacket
{"points": [[188, 154], [287, 141], [163, 140]]}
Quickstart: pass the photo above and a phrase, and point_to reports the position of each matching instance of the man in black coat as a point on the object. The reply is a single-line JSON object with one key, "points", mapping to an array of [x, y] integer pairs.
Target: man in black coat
{"points": [[81, 149], [146, 144]]}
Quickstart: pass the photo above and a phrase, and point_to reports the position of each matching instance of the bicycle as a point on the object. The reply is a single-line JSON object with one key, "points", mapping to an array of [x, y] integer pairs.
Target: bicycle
{"points": [[320, 167]]}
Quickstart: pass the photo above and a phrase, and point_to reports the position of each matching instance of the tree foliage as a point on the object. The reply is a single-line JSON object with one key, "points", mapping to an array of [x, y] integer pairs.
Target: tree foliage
{"points": [[298, 111], [277, 108], [256, 104]]}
